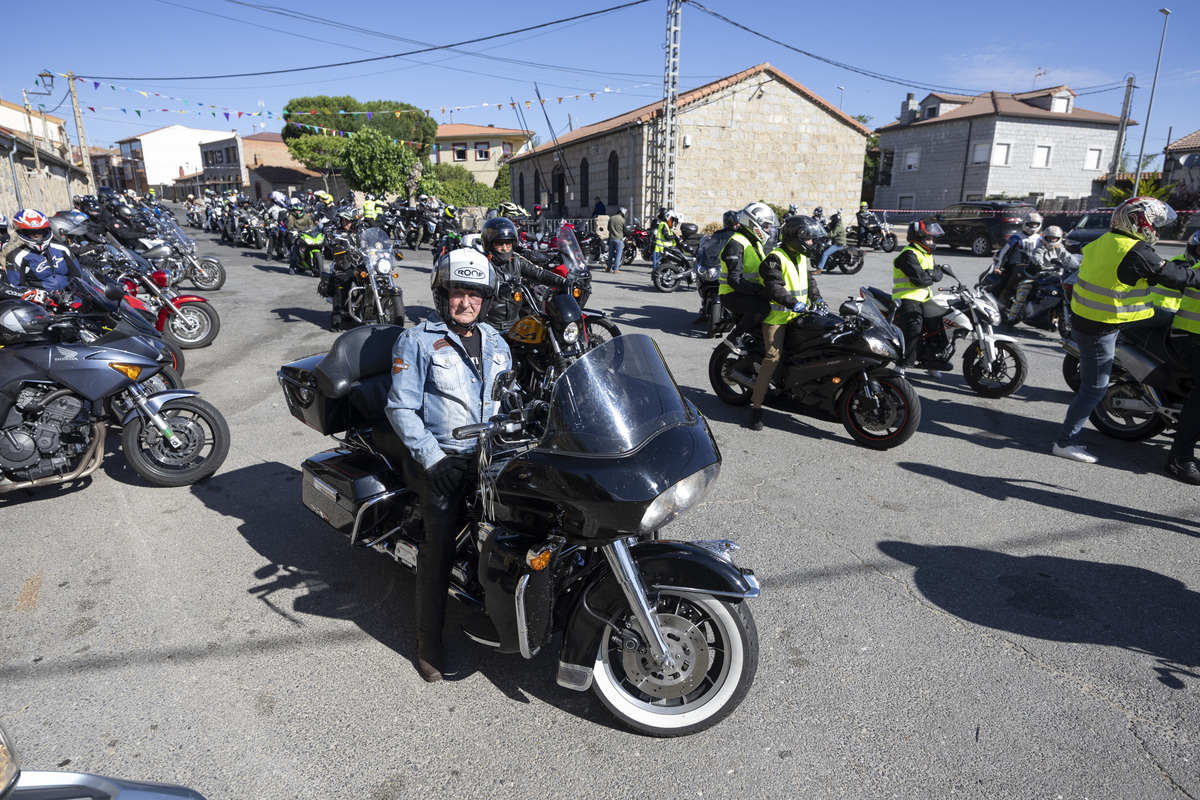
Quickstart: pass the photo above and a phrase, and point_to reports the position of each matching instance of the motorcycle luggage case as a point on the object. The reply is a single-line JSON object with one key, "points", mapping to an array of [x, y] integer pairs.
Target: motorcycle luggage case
{"points": [[336, 483], [326, 415], [689, 230]]}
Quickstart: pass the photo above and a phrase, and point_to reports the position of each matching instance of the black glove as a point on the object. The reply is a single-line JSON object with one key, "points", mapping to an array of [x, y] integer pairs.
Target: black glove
{"points": [[445, 475]]}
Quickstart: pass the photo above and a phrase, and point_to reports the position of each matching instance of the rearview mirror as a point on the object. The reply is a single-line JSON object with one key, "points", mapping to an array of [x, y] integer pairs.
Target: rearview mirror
{"points": [[503, 384], [947, 271], [114, 291]]}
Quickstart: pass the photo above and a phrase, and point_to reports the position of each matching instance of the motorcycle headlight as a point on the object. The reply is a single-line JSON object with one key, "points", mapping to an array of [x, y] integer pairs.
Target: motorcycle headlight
{"points": [[570, 334], [989, 311], [383, 266], [679, 499], [881, 347]]}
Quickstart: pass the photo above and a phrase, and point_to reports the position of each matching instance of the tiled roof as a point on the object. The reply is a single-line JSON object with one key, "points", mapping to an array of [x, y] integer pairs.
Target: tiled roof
{"points": [[653, 110], [463, 129], [1047, 92], [1006, 104], [1189, 142], [273, 174], [263, 137]]}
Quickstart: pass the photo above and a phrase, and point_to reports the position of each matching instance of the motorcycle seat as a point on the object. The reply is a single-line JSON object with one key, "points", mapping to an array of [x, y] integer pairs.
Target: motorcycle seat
{"points": [[884, 299], [356, 355]]}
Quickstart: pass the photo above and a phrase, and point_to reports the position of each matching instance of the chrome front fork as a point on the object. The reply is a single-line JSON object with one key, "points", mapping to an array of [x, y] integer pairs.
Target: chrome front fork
{"points": [[138, 395], [630, 580]]}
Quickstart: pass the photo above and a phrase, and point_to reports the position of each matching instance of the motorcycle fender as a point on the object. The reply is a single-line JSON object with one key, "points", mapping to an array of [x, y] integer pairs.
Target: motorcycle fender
{"points": [[679, 566], [998, 337], [210, 260], [184, 299], [885, 372], [587, 312], [155, 402]]}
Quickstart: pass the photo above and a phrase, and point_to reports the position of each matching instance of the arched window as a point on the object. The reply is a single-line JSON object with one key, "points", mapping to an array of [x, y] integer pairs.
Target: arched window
{"points": [[614, 167], [537, 186], [521, 189], [584, 195], [558, 191]]}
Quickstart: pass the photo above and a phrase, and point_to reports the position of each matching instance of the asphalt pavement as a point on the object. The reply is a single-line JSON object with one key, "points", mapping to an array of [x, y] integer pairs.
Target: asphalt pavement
{"points": [[964, 615]]}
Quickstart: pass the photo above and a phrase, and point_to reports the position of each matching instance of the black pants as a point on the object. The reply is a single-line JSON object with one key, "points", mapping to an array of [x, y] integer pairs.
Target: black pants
{"points": [[342, 281], [910, 322], [443, 517], [749, 309], [1188, 431]]}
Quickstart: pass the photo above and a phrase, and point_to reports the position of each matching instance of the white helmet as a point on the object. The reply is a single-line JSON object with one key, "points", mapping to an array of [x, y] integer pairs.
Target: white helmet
{"points": [[279, 198], [760, 220], [1140, 216], [1032, 223]]}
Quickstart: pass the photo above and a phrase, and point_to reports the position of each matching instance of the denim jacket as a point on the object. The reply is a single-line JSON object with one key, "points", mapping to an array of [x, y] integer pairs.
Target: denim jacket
{"points": [[436, 389]]}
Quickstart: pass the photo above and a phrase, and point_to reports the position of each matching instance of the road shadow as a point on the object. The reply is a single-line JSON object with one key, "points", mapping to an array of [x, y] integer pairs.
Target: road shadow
{"points": [[1063, 600], [1056, 497], [653, 318], [313, 316], [309, 569]]}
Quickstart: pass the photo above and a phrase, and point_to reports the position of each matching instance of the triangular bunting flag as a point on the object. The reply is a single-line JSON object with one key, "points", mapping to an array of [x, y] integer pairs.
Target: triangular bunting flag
{"points": [[226, 115], [368, 116], [138, 111], [97, 86]]}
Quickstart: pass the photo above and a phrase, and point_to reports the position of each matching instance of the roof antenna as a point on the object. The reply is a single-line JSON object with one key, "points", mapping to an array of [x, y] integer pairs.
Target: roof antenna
{"points": [[1040, 72]]}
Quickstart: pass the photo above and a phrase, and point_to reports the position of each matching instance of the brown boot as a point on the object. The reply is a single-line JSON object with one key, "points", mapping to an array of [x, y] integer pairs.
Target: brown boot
{"points": [[430, 659]]}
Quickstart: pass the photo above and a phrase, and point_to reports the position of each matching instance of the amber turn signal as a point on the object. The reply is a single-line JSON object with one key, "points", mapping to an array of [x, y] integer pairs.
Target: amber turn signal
{"points": [[538, 561], [128, 370]]}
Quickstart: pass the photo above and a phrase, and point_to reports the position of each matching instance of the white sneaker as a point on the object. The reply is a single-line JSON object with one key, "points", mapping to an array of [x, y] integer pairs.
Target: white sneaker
{"points": [[1075, 453]]}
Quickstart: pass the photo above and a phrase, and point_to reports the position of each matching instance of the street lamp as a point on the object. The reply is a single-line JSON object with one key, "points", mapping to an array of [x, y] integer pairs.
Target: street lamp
{"points": [[1137, 180], [841, 94]]}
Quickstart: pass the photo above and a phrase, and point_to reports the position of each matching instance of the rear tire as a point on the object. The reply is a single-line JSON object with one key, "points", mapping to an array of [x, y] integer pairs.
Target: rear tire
{"points": [[1070, 372], [1000, 379], [1129, 426], [666, 279], [892, 423], [716, 313], [728, 390], [627, 255], [853, 263]]}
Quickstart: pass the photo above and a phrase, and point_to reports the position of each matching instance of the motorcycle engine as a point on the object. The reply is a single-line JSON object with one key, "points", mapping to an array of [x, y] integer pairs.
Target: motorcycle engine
{"points": [[47, 442]]}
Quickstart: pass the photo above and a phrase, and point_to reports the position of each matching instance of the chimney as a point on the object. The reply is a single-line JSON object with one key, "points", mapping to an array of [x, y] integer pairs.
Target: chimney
{"points": [[909, 110], [181, 172]]}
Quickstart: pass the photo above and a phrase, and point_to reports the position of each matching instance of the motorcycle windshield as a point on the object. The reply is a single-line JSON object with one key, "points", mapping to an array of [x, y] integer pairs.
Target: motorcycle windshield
{"points": [[614, 399], [870, 312], [572, 253], [377, 248]]}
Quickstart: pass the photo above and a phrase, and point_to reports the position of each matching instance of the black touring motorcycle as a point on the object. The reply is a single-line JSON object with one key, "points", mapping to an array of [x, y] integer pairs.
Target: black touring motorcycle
{"points": [[564, 537]]}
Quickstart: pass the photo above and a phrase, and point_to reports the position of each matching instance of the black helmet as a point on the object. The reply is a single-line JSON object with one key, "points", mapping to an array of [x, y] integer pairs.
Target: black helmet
{"points": [[462, 269], [919, 230], [1193, 245], [345, 213], [730, 219], [22, 321], [798, 231], [125, 212], [499, 229], [91, 207]]}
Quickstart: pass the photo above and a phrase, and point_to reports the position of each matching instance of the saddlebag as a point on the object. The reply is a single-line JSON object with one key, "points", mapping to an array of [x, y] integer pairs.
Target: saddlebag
{"points": [[337, 484], [326, 415]]}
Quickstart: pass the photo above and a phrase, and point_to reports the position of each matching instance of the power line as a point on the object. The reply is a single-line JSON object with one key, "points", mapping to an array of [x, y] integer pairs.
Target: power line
{"points": [[868, 73], [376, 58]]}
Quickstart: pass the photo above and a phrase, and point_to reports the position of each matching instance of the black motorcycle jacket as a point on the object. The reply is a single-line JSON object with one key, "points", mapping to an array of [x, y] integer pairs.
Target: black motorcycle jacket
{"points": [[505, 311], [907, 263], [866, 220]]}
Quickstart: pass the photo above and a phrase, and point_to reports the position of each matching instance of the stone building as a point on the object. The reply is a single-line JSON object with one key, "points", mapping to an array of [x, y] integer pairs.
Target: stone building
{"points": [[756, 135], [954, 148], [228, 161]]}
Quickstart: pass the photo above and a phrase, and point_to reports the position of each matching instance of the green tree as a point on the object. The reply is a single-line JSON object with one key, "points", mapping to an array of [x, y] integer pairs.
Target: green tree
{"points": [[1149, 186], [374, 163], [503, 180], [323, 154], [409, 125], [871, 159]]}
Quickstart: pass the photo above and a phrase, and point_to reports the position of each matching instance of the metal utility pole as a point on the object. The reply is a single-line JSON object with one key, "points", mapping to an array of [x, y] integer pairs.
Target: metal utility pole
{"points": [[1120, 146], [1137, 180], [37, 160], [663, 161], [83, 147]]}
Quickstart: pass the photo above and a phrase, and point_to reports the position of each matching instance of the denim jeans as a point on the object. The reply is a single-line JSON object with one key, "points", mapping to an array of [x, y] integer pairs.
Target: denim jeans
{"points": [[616, 251], [1095, 367], [657, 258]]}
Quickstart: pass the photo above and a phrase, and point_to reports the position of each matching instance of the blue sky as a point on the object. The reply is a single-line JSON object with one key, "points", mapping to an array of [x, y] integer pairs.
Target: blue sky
{"points": [[147, 44]]}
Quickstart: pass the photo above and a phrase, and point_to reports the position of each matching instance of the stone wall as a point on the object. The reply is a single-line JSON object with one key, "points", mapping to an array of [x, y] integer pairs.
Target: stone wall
{"points": [[48, 191]]}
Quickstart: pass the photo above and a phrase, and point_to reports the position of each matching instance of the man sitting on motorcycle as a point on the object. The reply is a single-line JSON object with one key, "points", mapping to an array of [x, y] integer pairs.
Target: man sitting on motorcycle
{"points": [[442, 375], [742, 290], [913, 272], [1048, 252], [837, 230], [1014, 257], [791, 292], [38, 265], [337, 245], [298, 221], [664, 236], [866, 223], [499, 237]]}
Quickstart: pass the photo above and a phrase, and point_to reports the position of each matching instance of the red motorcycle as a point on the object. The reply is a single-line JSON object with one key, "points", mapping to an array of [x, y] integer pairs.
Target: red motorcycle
{"points": [[189, 320]]}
